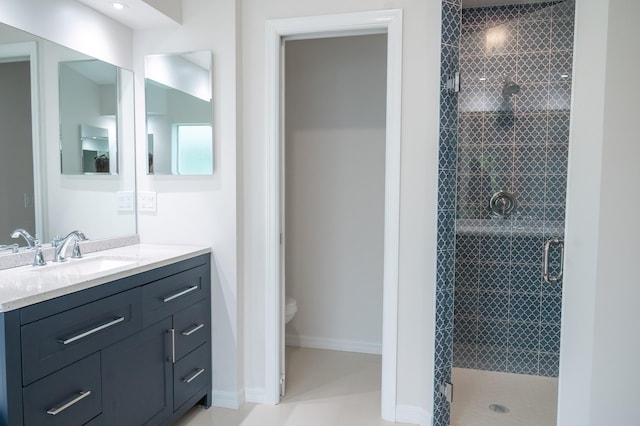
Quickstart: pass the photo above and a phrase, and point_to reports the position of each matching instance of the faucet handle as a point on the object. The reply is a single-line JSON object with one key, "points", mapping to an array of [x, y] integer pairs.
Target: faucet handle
{"points": [[76, 253], [38, 259]]}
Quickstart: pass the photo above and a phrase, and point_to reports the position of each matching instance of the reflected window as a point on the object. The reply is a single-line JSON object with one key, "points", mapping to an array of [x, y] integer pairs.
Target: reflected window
{"points": [[193, 149]]}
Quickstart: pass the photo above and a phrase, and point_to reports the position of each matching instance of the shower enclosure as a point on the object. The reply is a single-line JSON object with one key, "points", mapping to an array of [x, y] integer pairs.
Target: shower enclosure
{"points": [[511, 128]]}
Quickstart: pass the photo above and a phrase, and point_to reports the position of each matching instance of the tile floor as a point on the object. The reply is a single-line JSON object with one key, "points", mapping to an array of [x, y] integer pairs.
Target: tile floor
{"points": [[532, 400], [330, 388], [325, 388]]}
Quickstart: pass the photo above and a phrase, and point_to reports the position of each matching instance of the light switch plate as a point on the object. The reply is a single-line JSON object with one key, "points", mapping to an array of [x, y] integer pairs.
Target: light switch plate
{"points": [[125, 201], [147, 201]]}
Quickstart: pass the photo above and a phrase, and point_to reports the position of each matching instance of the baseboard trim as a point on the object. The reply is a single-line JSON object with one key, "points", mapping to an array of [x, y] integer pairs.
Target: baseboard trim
{"points": [[256, 396], [413, 415], [226, 399], [334, 344]]}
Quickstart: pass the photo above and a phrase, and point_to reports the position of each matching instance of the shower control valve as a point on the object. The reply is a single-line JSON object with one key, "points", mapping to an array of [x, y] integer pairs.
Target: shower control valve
{"points": [[502, 204]]}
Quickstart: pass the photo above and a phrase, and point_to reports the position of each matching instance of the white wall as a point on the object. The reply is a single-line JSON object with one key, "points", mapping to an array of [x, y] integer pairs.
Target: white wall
{"points": [[599, 371], [202, 209], [418, 185], [335, 156]]}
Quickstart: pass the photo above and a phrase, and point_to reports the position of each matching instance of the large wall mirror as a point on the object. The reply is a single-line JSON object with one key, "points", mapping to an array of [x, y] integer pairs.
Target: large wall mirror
{"points": [[179, 113], [61, 111]]}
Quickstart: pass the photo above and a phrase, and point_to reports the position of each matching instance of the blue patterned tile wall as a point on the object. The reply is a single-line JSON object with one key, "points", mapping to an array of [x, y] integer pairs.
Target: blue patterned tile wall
{"points": [[506, 317], [449, 60]]}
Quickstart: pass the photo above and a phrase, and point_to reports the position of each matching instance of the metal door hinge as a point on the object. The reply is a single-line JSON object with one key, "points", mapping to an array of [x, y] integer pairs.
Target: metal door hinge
{"points": [[446, 390], [453, 82], [283, 385]]}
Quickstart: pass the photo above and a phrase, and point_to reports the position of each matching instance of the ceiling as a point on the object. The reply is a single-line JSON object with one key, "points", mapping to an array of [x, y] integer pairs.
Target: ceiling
{"points": [[141, 14], [147, 14], [483, 3]]}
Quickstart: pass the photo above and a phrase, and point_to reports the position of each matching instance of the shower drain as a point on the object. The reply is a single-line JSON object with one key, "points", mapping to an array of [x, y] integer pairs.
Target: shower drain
{"points": [[498, 408]]}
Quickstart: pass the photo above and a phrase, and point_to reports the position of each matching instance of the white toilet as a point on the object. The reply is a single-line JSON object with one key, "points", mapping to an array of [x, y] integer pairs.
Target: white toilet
{"points": [[290, 309]]}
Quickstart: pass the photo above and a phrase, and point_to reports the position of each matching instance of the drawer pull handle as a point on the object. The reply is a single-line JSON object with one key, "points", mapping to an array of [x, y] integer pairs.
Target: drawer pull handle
{"points": [[545, 265], [192, 330], [191, 378], [57, 410], [92, 331], [180, 293], [173, 346]]}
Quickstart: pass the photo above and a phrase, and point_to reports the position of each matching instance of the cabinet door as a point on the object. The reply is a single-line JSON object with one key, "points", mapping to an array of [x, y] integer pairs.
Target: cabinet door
{"points": [[137, 378]]}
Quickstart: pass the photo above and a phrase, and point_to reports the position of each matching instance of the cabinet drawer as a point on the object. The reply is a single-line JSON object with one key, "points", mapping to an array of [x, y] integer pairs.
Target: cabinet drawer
{"points": [[51, 343], [71, 396], [192, 328], [164, 297], [191, 374]]}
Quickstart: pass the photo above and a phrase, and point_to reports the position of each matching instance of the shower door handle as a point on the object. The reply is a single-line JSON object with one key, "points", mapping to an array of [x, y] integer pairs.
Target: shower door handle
{"points": [[545, 266]]}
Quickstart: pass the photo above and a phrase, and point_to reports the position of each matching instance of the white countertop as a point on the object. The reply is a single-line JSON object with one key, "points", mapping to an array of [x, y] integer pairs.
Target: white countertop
{"points": [[26, 285]]}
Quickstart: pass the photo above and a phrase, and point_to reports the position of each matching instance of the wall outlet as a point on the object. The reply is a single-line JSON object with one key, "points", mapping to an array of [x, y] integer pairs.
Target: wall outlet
{"points": [[28, 201], [125, 200], [147, 201]]}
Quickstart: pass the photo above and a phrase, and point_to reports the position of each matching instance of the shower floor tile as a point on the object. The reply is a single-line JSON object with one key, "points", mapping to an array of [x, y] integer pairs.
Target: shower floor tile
{"points": [[532, 400]]}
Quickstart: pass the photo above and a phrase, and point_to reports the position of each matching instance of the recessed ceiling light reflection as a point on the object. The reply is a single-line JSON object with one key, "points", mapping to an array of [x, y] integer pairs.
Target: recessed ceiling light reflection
{"points": [[119, 6]]}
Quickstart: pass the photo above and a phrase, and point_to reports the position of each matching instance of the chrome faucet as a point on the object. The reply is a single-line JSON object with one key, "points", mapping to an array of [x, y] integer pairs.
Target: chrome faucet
{"points": [[12, 247], [61, 244], [31, 241]]}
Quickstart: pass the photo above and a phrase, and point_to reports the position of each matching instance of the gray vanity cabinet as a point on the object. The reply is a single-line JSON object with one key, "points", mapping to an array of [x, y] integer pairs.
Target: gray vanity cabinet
{"points": [[135, 351], [138, 388]]}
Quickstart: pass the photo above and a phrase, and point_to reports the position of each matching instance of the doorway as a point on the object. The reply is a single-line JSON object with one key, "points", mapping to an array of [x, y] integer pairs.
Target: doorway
{"points": [[334, 157], [389, 23], [20, 156]]}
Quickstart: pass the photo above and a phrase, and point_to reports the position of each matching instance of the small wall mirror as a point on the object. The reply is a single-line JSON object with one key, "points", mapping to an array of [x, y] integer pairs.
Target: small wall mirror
{"points": [[88, 117], [179, 113]]}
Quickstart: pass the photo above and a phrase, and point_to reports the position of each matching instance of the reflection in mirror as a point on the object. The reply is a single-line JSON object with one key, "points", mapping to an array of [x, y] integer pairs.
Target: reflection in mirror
{"points": [[34, 195], [16, 151], [95, 149], [88, 103], [179, 113]]}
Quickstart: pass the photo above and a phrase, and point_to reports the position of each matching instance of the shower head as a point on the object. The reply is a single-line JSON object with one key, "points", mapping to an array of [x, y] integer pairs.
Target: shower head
{"points": [[510, 87]]}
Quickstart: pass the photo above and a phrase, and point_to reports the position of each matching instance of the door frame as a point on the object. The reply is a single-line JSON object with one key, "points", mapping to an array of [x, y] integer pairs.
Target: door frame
{"points": [[29, 50], [373, 22]]}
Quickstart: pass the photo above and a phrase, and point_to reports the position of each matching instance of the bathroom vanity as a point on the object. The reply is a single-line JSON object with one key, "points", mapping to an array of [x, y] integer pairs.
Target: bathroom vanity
{"points": [[122, 337]]}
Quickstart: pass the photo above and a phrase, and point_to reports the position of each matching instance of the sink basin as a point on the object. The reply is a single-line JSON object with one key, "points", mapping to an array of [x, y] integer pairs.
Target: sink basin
{"points": [[86, 266]]}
